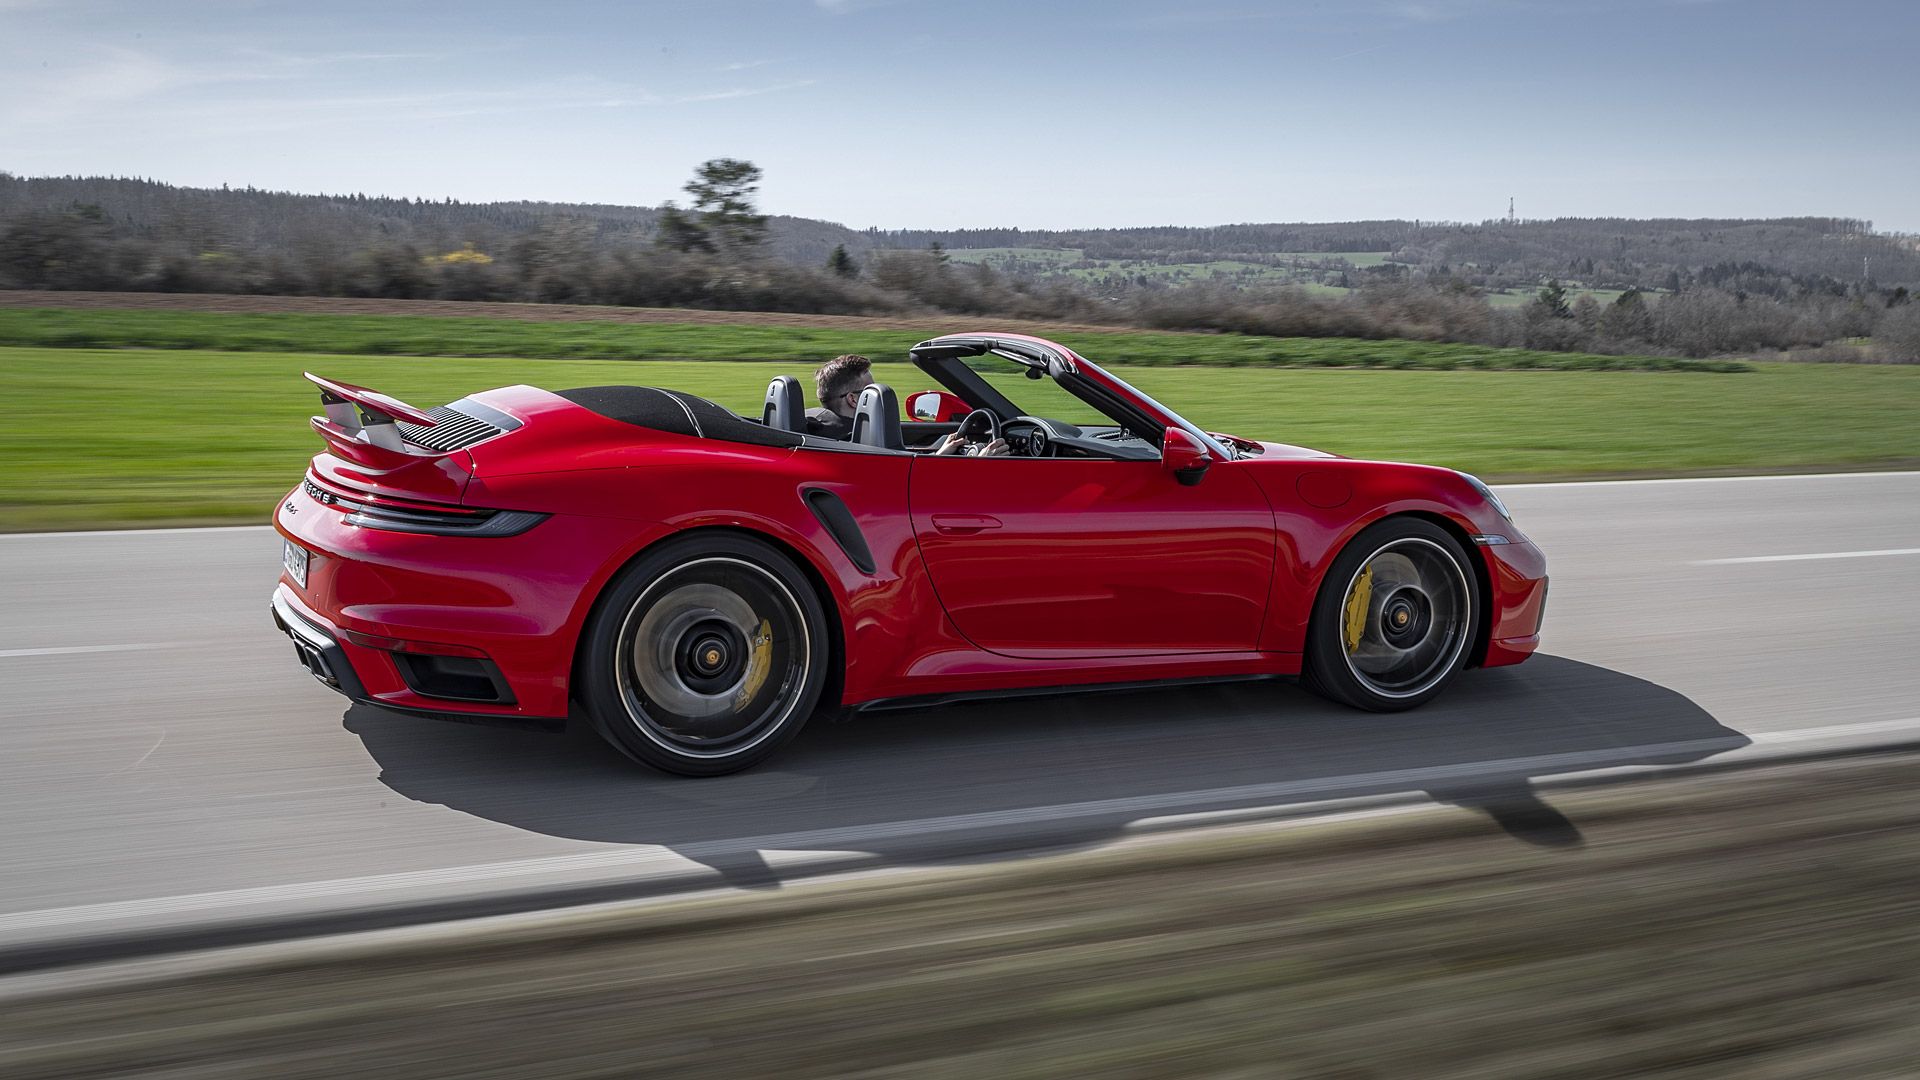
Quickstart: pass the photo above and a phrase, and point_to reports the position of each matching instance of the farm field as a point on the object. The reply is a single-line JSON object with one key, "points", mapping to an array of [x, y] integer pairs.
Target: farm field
{"points": [[1296, 267], [105, 438]]}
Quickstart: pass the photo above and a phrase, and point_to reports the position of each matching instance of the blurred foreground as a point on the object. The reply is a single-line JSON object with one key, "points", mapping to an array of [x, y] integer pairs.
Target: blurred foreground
{"points": [[1756, 923]]}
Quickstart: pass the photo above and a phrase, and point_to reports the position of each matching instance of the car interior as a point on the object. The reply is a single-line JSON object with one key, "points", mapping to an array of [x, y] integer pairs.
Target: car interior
{"points": [[877, 423]]}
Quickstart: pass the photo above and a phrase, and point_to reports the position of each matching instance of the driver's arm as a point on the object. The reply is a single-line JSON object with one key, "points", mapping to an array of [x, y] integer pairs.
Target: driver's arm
{"points": [[996, 448], [952, 444]]}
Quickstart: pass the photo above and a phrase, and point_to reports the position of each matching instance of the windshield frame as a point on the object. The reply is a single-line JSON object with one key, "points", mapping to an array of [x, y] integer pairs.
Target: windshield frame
{"points": [[1108, 394]]}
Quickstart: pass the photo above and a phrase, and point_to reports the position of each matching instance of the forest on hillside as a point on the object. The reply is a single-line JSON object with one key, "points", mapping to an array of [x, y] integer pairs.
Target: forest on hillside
{"points": [[1831, 288]]}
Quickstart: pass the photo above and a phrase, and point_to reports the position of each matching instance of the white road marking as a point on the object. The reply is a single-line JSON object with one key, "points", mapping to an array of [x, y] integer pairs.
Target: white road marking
{"points": [[1815, 555], [134, 532], [633, 863], [1708, 479], [141, 760], [67, 650]]}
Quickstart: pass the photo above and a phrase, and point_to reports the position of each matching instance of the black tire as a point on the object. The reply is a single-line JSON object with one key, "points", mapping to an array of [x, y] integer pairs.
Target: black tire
{"points": [[705, 656], [1396, 646]]}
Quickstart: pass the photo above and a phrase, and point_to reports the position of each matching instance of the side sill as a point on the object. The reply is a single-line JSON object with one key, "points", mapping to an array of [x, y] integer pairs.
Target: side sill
{"points": [[923, 701]]}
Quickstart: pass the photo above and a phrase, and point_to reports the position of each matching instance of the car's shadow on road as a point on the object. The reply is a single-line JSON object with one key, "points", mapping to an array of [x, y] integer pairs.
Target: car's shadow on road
{"points": [[1107, 761]]}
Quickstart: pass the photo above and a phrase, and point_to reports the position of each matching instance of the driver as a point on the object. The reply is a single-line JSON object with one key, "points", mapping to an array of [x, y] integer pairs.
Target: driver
{"points": [[837, 384]]}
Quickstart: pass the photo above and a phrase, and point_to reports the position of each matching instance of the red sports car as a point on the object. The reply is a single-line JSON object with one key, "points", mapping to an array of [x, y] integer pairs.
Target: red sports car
{"points": [[697, 584]]}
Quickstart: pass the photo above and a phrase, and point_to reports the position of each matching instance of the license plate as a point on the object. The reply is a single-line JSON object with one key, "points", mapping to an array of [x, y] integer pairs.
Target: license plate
{"points": [[294, 558]]}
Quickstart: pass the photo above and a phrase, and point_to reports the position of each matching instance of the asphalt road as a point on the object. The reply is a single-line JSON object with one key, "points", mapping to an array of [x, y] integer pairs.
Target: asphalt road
{"points": [[164, 761]]}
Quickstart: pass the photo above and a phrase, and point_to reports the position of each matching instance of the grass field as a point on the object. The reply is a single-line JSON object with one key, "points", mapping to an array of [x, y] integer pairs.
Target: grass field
{"points": [[1057, 260], [98, 438], [415, 335]]}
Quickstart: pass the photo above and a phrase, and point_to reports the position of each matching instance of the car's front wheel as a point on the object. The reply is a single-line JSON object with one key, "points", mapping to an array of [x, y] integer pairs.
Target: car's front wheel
{"points": [[705, 656], [1394, 617]]}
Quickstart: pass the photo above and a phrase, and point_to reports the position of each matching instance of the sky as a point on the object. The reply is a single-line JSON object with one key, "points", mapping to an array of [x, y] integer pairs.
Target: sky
{"points": [[1030, 113]]}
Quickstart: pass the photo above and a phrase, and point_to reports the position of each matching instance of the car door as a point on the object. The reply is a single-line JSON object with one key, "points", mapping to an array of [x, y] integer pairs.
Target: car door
{"points": [[1062, 557]]}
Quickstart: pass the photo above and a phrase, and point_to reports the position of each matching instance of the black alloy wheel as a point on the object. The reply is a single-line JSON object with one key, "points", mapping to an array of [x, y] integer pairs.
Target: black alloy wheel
{"points": [[1394, 618], [705, 656]]}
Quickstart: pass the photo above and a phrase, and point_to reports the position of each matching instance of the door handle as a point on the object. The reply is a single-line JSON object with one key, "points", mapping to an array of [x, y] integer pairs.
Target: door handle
{"points": [[961, 524]]}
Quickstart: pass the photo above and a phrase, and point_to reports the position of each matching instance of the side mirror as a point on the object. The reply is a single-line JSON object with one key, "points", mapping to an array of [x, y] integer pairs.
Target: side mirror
{"points": [[936, 405], [1184, 456]]}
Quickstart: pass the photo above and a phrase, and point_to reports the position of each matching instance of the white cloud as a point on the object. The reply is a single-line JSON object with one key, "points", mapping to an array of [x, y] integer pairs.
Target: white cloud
{"points": [[843, 7]]}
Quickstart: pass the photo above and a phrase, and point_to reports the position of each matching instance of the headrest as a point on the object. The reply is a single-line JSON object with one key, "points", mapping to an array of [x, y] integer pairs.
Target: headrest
{"points": [[786, 406], [876, 420]]}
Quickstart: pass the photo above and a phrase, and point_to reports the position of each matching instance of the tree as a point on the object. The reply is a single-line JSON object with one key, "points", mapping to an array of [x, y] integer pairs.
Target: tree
{"points": [[1553, 300], [722, 191], [1897, 338], [842, 263], [1586, 311], [1627, 318], [939, 251], [677, 232]]}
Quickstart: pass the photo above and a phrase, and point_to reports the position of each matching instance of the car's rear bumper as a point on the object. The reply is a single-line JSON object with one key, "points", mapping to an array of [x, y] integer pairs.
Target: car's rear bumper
{"points": [[1518, 573], [339, 664], [477, 628]]}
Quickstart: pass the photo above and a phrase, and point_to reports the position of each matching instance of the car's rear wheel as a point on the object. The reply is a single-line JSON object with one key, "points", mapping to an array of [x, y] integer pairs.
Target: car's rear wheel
{"points": [[705, 656], [1394, 617]]}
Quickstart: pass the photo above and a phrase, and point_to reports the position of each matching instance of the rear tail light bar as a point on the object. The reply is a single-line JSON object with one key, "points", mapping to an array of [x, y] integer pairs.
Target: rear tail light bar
{"points": [[431, 521]]}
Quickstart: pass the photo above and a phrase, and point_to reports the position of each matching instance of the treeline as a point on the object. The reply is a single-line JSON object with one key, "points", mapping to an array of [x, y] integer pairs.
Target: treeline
{"points": [[151, 237], [1779, 257]]}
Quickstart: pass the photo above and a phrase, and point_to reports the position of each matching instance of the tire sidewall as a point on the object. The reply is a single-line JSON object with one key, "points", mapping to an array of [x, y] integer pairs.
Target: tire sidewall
{"points": [[601, 695], [1326, 666]]}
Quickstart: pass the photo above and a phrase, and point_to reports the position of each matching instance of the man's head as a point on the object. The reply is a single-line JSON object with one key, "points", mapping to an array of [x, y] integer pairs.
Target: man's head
{"points": [[840, 380]]}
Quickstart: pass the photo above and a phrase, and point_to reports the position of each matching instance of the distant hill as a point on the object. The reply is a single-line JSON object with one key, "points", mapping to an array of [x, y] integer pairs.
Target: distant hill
{"points": [[1810, 252], [278, 221], [1774, 256]]}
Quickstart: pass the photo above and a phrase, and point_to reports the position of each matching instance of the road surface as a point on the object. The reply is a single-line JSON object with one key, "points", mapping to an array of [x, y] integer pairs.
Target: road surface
{"points": [[165, 763]]}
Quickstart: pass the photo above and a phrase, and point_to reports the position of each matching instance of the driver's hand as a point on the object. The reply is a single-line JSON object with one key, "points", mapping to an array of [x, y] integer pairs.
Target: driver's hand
{"points": [[953, 444], [996, 448]]}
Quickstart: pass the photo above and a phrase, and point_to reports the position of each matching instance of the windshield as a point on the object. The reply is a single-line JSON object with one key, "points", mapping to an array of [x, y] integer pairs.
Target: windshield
{"points": [[1035, 397], [1207, 440]]}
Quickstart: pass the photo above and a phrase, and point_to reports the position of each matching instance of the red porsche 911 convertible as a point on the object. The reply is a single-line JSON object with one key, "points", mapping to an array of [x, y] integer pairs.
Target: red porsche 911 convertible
{"points": [[697, 584]]}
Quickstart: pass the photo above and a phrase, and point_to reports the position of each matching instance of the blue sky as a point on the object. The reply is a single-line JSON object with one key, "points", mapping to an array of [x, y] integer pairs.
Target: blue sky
{"points": [[948, 114]]}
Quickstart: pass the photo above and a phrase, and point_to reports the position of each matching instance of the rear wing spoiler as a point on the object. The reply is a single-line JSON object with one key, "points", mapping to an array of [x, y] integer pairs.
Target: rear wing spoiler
{"points": [[362, 425]]}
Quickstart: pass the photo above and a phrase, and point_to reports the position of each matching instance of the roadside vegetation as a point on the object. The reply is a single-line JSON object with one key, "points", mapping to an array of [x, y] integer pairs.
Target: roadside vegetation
{"points": [[1698, 288], [103, 438], [1755, 924], [404, 335]]}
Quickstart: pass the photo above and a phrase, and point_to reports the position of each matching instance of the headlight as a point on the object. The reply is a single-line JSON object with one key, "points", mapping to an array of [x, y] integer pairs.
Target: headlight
{"points": [[1487, 494]]}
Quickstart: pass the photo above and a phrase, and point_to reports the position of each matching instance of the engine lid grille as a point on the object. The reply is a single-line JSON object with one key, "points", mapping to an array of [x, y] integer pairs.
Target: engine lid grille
{"points": [[458, 426]]}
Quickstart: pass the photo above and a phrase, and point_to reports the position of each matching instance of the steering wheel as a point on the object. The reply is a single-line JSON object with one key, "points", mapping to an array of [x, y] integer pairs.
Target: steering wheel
{"points": [[979, 427]]}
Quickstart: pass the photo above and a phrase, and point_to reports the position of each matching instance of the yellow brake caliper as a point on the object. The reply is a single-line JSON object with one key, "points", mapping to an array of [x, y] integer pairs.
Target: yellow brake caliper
{"points": [[1357, 602], [759, 662]]}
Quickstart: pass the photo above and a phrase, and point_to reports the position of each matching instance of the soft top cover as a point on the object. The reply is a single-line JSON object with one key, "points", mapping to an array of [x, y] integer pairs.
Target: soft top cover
{"points": [[673, 411]]}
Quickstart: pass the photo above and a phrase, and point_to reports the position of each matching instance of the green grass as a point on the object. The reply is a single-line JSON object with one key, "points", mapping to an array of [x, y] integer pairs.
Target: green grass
{"points": [[110, 437], [416, 335]]}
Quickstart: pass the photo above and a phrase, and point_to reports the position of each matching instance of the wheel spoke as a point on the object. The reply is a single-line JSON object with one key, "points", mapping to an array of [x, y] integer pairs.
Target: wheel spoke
{"points": [[1407, 617], [712, 657]]}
